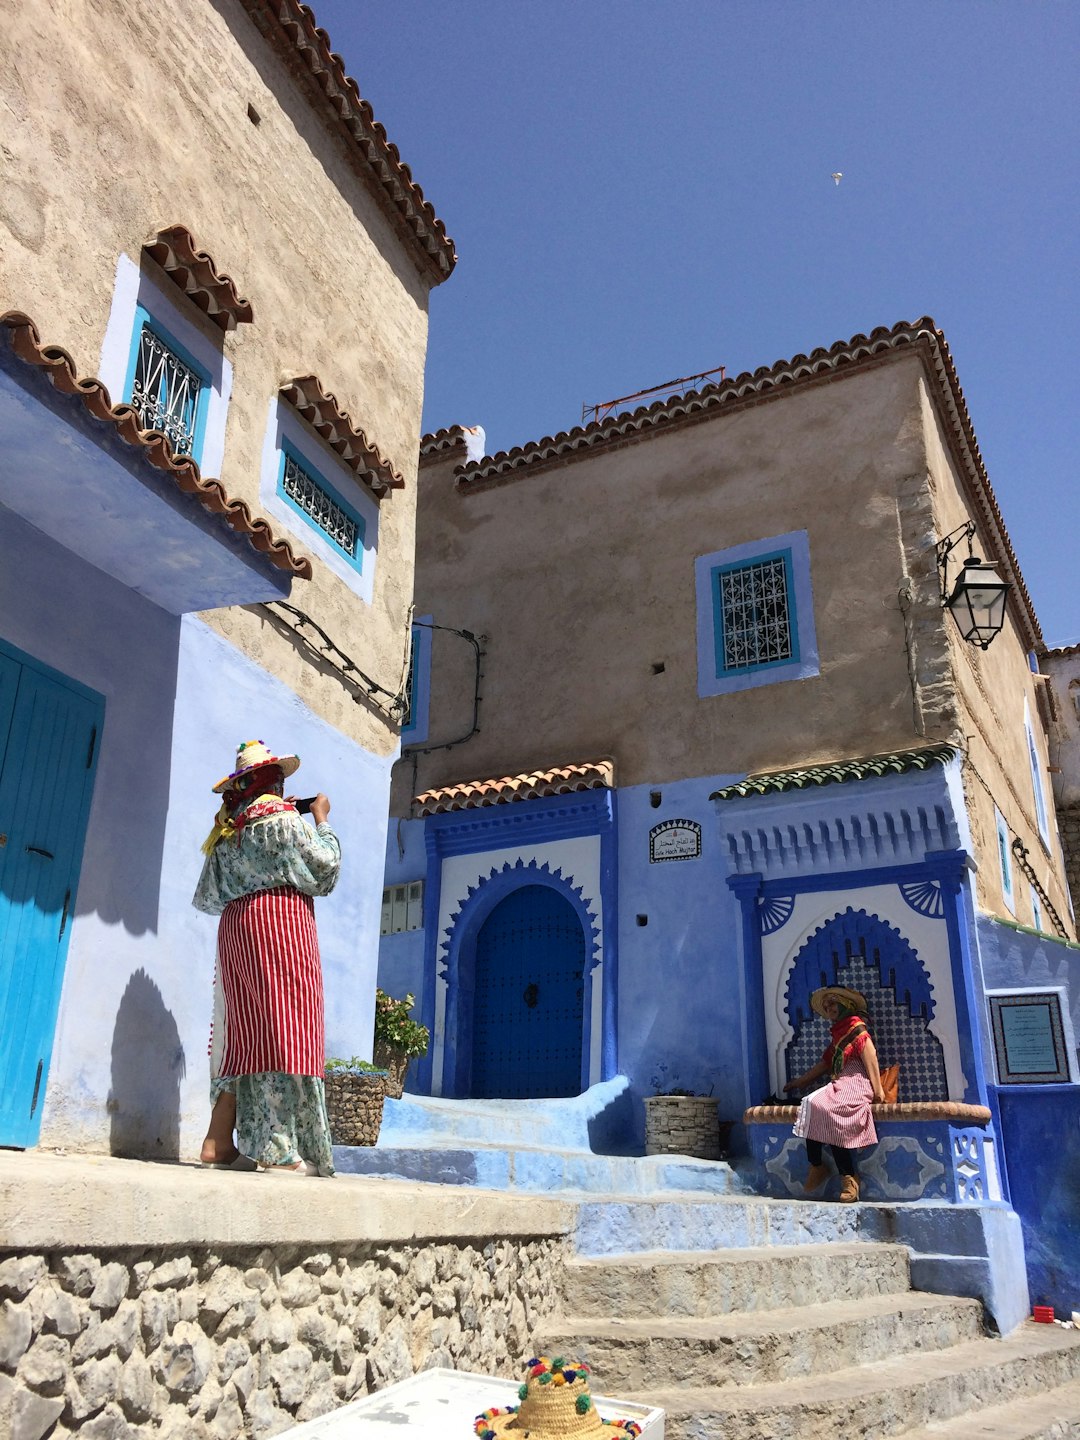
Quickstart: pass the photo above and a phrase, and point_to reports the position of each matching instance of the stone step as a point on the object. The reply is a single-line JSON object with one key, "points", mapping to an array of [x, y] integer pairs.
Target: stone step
{"points": [[633, 1355], [719, 1282], [706, 1223], [576, 1123], [892, 1397], [1051, 1415], [540, 1170]]}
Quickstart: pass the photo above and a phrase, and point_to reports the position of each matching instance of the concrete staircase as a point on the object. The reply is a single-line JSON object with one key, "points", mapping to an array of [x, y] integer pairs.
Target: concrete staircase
{"points": [[810, 1342]]}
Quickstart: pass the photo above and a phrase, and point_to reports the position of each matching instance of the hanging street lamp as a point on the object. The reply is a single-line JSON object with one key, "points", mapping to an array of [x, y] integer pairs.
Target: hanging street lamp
{"points": [[978, 598]]}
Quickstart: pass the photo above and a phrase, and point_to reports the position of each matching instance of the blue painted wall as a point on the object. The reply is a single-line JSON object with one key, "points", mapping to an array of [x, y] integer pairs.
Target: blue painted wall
{"points": [[679, 975], [1041, 1128], [1019, 960], [401, 957], [129, 1070]]}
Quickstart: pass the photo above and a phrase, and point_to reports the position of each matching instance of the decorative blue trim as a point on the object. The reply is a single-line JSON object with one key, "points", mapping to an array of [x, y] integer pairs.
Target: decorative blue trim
{"points": [[459, 962], [144, 317], [905, 974], [529, 822], [712, 678], [924, 897], [290, 452], [1036, 780], [416, 731], [747, 889], [936, 864], [962, 962], [774, 912]]}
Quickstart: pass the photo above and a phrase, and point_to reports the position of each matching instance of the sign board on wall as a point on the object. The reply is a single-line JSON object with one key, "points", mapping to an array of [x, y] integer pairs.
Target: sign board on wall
{"points": [[1029, 1038], [674, 840]]}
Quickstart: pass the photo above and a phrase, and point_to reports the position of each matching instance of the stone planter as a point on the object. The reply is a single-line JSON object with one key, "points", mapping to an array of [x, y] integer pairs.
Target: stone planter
{"points": [[354, 1105], [395, 1063], [683, 1125]]}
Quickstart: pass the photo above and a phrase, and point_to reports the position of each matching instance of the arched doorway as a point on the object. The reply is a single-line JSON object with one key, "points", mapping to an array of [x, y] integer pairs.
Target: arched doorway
{"points": [[528, 1001]]}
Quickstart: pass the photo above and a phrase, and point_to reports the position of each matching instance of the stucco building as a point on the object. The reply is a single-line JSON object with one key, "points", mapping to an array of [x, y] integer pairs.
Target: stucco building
{"points": [[699, 736], [214, 281]]}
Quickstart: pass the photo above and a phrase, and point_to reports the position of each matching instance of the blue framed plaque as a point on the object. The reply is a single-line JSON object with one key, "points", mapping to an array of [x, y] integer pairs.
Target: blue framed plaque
{"points": [[1029, 1039]]}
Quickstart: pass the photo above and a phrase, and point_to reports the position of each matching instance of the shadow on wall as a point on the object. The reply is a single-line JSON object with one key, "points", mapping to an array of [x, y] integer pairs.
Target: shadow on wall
{"points": [[148, 1065]]}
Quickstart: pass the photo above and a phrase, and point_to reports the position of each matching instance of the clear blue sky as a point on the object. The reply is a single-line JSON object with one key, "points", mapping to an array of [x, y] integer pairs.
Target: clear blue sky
{"points": [[641, 190]]}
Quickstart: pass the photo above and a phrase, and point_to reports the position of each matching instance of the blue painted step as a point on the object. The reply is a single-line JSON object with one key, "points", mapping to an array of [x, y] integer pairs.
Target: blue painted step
{"points": [[540, 1171]]}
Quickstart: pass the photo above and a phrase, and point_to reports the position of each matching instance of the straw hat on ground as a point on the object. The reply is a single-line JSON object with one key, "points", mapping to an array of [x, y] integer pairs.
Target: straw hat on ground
{"points": [[849, 999], [555, 1405], [253, 755]]}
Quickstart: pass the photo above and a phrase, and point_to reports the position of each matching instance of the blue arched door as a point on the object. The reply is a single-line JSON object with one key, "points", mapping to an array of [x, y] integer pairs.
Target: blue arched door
{"points": [[529, 997]]}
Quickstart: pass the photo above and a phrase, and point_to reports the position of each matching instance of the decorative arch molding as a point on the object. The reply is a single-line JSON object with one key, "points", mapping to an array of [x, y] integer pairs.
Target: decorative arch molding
{"points": [[456, 966], [863, 951], [502, 880]]}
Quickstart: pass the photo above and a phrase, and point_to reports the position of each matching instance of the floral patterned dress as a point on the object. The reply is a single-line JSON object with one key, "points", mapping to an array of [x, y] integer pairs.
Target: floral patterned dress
{"points": [[267, 1038]]}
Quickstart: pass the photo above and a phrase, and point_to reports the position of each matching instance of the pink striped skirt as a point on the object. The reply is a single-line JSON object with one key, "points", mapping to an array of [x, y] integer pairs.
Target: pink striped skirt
{"points": [[270, 993], [839, 1113]]}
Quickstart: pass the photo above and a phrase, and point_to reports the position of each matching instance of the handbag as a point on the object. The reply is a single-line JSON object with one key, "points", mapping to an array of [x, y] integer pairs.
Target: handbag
{"points": [[890, 1083]]}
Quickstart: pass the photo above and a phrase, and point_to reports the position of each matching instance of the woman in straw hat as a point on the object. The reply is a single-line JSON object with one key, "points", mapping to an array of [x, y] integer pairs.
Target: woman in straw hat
{"points": [[263, 867], [839, 1114]]}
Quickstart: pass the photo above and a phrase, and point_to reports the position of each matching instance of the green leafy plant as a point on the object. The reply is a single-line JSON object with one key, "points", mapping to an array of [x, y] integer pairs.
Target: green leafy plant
{"points": [[395, 1027], [355, 1066]]}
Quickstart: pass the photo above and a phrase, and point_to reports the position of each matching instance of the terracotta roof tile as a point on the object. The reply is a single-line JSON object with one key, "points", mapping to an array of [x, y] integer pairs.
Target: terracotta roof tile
{"points": [[477, 794], [198, 277], [441, 443], [292, 29], [324, 414], [766, 383], [1061, 650], [897, 763], [22, 335]]}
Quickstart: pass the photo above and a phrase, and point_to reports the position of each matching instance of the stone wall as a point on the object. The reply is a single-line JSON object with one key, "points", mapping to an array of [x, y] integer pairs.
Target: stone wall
{"points": [[212, 1344], [1069, 824]]}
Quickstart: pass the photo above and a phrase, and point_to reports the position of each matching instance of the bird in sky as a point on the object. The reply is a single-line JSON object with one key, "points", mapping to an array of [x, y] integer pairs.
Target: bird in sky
{"points": [[837, 176]]}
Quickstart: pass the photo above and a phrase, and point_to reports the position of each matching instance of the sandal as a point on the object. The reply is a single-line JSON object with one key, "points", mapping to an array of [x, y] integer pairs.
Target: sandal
{"points": [[302, 1167]]}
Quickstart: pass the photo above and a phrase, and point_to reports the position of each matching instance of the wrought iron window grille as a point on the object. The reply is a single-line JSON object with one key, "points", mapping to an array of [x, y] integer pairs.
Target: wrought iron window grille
{"points": [[755, 614], [165, 391], [319, 506]]}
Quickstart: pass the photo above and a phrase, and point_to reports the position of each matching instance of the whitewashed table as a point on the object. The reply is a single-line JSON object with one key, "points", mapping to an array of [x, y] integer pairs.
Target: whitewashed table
{"points": [[445, 1403]]}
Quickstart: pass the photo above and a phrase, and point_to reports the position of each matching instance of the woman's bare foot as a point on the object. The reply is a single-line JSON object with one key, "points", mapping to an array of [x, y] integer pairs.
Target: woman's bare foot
{"points": [[215, 1153]]}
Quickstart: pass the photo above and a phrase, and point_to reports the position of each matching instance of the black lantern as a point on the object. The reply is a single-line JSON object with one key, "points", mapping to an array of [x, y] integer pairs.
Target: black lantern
{"points": [[978, 598]]}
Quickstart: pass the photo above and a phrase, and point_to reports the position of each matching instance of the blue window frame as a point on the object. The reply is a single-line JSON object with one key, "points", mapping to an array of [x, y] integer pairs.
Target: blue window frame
{"points": [[1008, 893], [307, 491], [1036, 781], [755, 615], [167, 386], [414, 719]]}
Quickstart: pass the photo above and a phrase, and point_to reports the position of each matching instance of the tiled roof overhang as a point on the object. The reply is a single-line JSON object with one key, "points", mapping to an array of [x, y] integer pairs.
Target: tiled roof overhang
{"points": [[477, 794], [197, 276], [323, 413], [874, 766], [1061, 650], [441, 443], [292, 30], [25, 342], [770, 382]]}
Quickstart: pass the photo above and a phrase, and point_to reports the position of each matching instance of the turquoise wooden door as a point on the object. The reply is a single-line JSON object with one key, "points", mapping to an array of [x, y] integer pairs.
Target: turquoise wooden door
{"points": [[529, 1003], [49, 729]]}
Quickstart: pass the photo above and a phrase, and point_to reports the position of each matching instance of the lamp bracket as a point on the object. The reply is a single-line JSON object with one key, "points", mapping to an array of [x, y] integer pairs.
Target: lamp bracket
{"points": [[946, 546]]}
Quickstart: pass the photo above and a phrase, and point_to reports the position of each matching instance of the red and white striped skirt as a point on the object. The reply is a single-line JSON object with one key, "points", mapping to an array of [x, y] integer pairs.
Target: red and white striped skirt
{"points": [[269, 1013], [839, 1113]]}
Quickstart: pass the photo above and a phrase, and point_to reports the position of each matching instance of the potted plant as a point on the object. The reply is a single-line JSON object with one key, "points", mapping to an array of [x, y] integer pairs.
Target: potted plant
{"points": [[399, 1039], [355, 1091], [681, 1122]]}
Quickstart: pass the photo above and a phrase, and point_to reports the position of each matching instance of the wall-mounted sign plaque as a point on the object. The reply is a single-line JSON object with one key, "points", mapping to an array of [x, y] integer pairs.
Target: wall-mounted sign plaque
{"points": [[674, 840], [1029, 1038]]}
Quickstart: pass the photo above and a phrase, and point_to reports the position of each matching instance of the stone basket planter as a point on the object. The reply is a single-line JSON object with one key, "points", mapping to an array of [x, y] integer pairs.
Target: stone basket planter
{"points": [[395, 1063], [354, 1105], [684, 1125]]}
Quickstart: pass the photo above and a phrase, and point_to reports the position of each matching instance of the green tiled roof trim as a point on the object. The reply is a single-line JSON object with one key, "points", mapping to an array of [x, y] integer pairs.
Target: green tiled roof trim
{"points": [[875, 766]]}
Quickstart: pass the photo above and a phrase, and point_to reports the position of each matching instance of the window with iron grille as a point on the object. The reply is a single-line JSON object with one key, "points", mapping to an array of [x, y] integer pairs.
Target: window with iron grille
{"points": [[321, 506], [167, 388], [754, 607]]}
